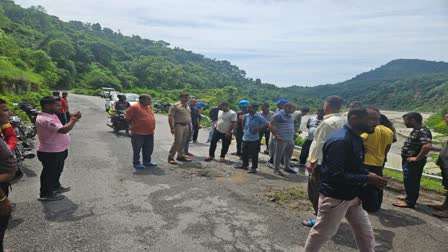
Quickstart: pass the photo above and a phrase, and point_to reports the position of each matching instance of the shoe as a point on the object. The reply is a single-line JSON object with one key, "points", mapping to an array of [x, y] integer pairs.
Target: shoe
{"points": [[62, 190], [252, 171], [289, 170], [209, 159], [172, 162], [52, 197], [241, 167], [150, 164], [139, 167], [309, 222], [189, 154], [183, 159]]}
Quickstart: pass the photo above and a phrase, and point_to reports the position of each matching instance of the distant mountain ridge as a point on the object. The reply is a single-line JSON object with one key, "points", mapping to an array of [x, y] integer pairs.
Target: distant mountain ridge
{"points": [[403, 84]]}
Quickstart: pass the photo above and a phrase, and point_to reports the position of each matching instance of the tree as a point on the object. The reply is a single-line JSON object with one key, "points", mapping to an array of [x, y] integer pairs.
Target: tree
{"points": [[60, 50]]}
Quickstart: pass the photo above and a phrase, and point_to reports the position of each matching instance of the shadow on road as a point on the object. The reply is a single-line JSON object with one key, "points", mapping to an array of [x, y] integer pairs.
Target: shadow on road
{"points": [[383, 238], [394, 218], [63, 211], [151, 171]]}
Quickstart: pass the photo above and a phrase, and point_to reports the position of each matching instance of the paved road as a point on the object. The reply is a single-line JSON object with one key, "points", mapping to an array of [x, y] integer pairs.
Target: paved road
{"points": [[194, 207]]}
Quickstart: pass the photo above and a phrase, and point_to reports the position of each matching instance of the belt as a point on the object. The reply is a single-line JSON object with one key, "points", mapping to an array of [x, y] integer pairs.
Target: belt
{"points": [[182, 124]]}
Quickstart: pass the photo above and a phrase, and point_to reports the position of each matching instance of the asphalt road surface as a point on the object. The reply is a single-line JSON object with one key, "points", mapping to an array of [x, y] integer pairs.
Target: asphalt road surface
{"points": [[192, 207]]}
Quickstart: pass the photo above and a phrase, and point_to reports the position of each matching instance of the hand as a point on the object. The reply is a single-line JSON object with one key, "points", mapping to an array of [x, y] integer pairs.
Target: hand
{"points": [[172, 131], [76, 116], [310, 166], [412, 159], [377, 181]]}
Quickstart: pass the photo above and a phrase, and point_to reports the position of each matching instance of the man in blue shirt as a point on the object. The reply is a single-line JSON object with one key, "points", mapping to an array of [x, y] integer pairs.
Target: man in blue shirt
{"points": [[343, 177], [253, 123]]}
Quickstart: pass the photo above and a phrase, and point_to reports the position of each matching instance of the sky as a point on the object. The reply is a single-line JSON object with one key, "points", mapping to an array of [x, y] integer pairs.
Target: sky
{"points": [[283, 42]]}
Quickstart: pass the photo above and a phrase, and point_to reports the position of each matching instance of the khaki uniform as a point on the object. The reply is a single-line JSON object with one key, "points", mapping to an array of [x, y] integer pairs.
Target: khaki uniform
{"points": [[182, 129]]}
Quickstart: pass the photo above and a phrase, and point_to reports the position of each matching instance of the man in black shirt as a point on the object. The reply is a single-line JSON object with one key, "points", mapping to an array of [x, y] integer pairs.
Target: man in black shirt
{"points": [[213, 114], [342, 179], [413, 155]]}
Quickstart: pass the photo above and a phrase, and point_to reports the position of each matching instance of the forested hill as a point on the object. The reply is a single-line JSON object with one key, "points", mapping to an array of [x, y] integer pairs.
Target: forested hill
{"points": [[41, 52], [77, 53], [403, 84]]}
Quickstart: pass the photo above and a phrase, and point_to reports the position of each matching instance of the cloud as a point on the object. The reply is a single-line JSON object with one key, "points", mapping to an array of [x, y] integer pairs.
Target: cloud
{"points": [[283, 42]]}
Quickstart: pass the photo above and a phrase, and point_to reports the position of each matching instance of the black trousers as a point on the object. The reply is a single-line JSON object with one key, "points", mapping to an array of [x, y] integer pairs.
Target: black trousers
{"points": [[195, 132], [142, 144], [305, 151], [371, 196], [53, 165], [266, 133], [250, 151], [226, 140], [239, 141], [5, 212]]}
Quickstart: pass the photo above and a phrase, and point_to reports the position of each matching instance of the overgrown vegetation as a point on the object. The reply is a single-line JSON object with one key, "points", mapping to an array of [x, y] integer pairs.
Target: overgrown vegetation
{"points": [[426, 183], [437, 122]]}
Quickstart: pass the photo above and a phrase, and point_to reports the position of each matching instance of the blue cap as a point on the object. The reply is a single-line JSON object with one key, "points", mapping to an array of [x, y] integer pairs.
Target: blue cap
{"points": [[200, 105], [244, 103], [282, 101]]}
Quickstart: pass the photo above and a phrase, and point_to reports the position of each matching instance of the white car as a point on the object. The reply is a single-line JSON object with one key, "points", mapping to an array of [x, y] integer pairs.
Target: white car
{"points": [[130, 97]]}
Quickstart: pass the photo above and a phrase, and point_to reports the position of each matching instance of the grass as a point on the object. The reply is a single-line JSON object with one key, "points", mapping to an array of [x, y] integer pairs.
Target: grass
{"points": [[426, 183], [294, 198]]}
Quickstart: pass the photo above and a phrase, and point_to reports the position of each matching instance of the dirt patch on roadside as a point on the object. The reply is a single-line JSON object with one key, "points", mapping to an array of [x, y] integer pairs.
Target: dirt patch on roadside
{"points": [[294, 198]]}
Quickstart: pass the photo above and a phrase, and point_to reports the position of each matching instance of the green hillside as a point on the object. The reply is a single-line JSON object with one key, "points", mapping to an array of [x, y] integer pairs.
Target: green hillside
{"points": [[39, 52]]}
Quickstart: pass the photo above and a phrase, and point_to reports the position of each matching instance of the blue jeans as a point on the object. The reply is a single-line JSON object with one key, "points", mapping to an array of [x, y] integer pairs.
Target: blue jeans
{"points": [[143, 144], [412, 174]]}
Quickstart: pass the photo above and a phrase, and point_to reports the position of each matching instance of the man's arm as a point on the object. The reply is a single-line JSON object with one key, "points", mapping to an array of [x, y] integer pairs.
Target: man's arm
{"points": [[426, 140], [69, 126], [320, 136]]}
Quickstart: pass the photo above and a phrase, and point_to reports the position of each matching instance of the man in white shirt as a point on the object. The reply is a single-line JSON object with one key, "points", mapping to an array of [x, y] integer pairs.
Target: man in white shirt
{"points": [[227, 120], [333, 120]]}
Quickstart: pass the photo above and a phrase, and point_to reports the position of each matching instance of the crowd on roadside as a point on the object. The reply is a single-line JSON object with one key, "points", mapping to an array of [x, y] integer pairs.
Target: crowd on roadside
{"points": [[344, 153]]}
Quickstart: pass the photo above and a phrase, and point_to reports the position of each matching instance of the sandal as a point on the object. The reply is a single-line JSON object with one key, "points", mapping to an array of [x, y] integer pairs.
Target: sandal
{"points": [[309, 222], [402, 204], [172, 162]]}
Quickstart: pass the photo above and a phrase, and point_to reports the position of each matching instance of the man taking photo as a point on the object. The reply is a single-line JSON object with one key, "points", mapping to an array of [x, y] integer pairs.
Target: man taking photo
{"points": [[52, 150]]}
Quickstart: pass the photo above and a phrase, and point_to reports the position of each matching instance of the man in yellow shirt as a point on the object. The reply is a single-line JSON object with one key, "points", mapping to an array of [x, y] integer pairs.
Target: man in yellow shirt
{"points": [[376, 144]]}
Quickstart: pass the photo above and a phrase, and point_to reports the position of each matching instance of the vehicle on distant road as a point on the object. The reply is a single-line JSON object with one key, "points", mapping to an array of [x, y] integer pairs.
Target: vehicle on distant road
{"points": [[106, 92]]}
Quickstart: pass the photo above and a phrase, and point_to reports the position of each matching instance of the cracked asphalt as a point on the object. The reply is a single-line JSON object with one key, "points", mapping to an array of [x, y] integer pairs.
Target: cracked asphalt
{"points": [[192, 207]]}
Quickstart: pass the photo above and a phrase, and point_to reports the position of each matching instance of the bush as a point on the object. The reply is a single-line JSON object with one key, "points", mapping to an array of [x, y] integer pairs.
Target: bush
{"points": [[437, 123]]}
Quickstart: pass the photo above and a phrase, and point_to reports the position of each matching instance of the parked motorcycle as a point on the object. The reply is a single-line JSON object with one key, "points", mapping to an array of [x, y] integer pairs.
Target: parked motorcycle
{"points": [[24, 145]]}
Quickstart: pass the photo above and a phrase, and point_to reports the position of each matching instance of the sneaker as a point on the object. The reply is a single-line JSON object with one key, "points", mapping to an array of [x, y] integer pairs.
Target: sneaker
{"points": [[289, 170], [150, 164], [52, 197], [62, 190], [139, 167]]}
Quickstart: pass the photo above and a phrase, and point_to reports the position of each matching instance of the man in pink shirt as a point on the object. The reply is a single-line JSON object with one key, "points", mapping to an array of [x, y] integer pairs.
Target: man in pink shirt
{"points": [[53, 147]]}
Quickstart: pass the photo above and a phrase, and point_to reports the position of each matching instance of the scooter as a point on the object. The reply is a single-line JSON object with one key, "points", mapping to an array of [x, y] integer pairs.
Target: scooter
{"points": [[119, 122]]}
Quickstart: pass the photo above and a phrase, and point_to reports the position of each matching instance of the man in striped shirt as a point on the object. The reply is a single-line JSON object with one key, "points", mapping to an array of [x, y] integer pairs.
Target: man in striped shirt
{"points": [[282, 127]]}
